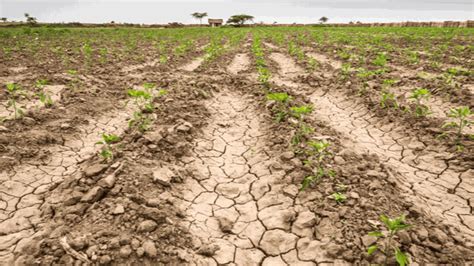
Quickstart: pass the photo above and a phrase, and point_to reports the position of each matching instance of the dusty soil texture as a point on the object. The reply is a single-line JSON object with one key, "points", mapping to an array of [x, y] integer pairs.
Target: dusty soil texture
{"points": [[213, 178]]}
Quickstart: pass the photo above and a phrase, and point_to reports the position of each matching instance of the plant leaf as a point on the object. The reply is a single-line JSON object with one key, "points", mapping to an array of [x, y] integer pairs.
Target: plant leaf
{"points": [[371, 249], [376, 234], [401, 257]]}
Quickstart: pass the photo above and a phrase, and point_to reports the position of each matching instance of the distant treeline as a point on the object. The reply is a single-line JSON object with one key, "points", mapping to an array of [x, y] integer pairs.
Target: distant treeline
{"points": [[455, 24]]}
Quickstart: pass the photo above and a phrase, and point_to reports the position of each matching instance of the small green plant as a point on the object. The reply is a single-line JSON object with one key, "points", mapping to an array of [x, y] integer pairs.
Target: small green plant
{"points": [[318, 150], [281, 99], [393, 226], [386, 98], [339, 197], [318, 173], [45, 99], [461, 114], [14, 92], [380, 60], [419, 95], [41, 83], [107, 140], [302, 129]]}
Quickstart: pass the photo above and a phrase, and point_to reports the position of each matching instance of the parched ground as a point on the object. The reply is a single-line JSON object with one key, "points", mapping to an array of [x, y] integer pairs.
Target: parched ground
{"points": [[215, 180]]}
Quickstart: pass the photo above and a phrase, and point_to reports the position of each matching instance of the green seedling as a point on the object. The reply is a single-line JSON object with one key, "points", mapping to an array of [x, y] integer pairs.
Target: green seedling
{"points": [[140, 121], [393, 226], [312, 64], [14, 92], [41, 83], [380, 60], [303, 129], [45, 99], [339, 197], [142, 99], [461, 114], [281, 99], [419, 95], [386, 98], [107, 140], [318, 150], [319, 173]]}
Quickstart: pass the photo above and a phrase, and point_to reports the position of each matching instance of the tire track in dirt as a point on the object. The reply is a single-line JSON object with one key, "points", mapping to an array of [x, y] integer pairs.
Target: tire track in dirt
{"points": [[21, 190], [428, 176]]}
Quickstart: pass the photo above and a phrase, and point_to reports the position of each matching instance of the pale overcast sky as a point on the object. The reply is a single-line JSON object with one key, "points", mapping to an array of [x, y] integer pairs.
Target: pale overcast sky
{"points": [[282, 11]]}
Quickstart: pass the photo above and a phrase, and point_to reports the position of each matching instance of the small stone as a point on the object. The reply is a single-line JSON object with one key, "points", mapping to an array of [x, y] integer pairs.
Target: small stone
{"points": [[368, 240], [163, 176], [339, 160], [422, 233], [114, 243], [286, 156], [135, 243], [107, 182], [93, 195], [140, 252], [79, 243], [73, 198], [125, 251], [28, 121], [404, 237], [105, 259], [147, 226], [207, 250], [185, 127], [438, 236], [125, 240], [65, 126], [119, 209], [3, 129], [95, 169], [150, 249], [153, 202], [354, 195]]}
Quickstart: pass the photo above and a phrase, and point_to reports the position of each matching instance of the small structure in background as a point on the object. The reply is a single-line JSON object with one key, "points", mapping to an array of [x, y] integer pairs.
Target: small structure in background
{"points": [[215, 22]]}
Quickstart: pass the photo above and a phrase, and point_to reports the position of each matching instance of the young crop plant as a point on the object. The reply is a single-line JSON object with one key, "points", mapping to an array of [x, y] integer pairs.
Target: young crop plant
{"points": [[420, 95], [393, 226], [14, 92], [461, 115], [318, 173], [387, 99], [143, 100], [317, 150], [280, 109], [107, 140], [380, 60], [339, 197], [302, 130], [45, 99]]}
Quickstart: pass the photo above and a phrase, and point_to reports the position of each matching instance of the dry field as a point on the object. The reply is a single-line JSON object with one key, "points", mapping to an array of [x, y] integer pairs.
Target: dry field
{"points": [[273, 146]]}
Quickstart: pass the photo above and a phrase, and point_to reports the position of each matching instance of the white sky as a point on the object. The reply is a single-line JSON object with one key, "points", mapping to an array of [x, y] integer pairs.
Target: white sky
{"points": [[282, 11]]}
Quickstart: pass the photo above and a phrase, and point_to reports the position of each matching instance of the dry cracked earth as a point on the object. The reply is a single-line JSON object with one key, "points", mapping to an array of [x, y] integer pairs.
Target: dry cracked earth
{"points": [[214, 186]]}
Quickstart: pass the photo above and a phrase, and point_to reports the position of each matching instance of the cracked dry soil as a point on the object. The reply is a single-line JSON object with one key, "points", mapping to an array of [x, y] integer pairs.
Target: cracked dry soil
{"points": [[208, 186], [238, 208]]}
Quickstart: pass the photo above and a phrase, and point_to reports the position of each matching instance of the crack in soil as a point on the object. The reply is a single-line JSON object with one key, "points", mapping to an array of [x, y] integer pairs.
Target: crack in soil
{"points": [[236, 205], [423, 173], [21, 191]]}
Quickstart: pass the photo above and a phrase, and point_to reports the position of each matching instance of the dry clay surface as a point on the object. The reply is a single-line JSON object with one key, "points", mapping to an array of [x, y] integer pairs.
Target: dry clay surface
{"points": [[239, 208], [443, 189], [21, 190]]}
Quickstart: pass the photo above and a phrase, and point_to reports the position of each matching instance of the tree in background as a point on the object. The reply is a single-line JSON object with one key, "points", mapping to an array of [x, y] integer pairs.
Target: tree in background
{"points": [[323, 19], [239, 19], [199, 16], [29, 19], [3, 19]]}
